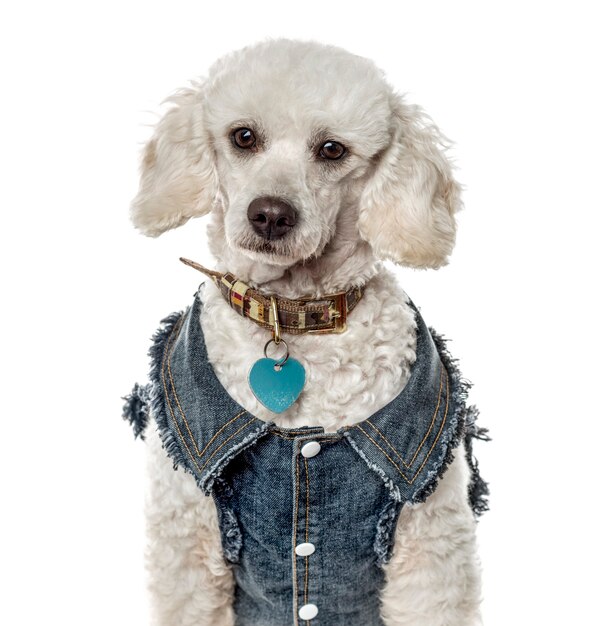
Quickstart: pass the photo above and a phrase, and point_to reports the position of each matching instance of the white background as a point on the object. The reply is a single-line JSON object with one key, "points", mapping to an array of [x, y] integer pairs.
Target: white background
{"points": [[520, 88]]}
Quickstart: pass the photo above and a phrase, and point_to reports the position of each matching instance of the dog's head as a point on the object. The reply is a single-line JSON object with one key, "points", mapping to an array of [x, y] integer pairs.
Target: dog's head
{"points": [[298, 148]]}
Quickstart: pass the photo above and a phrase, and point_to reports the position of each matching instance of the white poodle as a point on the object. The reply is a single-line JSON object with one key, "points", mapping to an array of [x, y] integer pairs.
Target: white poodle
{"points": [[314, 170]]}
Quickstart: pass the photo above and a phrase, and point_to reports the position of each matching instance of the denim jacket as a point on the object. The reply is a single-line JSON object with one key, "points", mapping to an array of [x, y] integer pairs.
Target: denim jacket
{"points": [[307, 517]]}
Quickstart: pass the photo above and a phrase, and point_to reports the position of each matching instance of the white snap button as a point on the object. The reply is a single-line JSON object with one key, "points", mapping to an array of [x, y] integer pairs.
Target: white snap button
{"points": [[312, 448], [305, 549], [308, 611]]}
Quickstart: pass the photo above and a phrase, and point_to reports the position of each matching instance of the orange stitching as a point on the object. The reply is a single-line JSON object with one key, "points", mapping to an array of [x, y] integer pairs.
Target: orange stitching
{"points": [[198, 452], [428, 432], [234, 434], [282, 436], [179, 406], [298, 431], [447, 404], [295, 540], [385, 454], [162, 371], [387, 443], [219, 431], [306, 532], [323, 437], [166, 363], [426, 436], [181, 436], [328, 438]]}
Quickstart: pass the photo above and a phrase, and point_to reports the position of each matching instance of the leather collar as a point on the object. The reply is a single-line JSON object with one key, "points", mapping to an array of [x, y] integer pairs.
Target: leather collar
{"points": [[305, 315]]}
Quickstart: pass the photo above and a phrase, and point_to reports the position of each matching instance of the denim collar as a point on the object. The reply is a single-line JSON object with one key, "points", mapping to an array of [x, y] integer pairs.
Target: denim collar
{"points": [[408, 442]]}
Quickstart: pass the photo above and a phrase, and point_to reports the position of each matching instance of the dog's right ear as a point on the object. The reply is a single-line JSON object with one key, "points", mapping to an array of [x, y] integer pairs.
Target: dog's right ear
{"points": [[178, 178]]}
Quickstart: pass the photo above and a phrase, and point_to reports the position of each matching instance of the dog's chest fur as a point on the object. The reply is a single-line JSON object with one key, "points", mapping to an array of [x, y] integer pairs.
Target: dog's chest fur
{"points": [[349, 376]]}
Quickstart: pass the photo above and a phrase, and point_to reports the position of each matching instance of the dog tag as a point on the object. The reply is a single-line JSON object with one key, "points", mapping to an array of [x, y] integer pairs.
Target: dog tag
{"points": [[277, 384]]}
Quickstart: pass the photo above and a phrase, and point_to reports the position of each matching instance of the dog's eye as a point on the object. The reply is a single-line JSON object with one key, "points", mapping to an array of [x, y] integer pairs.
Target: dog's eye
{"points": [[332, 150], [244, 138]]}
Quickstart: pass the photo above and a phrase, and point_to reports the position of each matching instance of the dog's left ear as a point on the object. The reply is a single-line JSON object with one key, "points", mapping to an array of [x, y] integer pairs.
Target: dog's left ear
{"points": [[408, 205], [178, 179]]}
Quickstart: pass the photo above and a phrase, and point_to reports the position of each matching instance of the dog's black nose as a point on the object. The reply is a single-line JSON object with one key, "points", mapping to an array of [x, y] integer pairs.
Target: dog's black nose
{"points": [[270, 217]]}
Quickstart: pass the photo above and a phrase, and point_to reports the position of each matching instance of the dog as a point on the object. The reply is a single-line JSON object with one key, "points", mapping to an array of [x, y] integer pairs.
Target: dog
{"points": [[314, 171]]}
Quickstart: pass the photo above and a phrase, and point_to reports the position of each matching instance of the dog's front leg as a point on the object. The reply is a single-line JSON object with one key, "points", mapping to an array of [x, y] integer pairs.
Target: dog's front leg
{"points": [[191, 584], [433, 577]]}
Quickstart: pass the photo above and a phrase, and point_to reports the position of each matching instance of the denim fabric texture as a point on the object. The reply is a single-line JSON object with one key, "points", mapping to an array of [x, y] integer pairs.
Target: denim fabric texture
{"points": [[270, 497]]}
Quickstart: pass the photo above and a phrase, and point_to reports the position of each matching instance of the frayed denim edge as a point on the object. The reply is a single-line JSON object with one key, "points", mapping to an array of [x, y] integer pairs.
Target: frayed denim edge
{"points": [[478, 487], [157, 398], [385, 528], [232, 537], [461, 427], [136, 409], [208, 477], [388, 516]]}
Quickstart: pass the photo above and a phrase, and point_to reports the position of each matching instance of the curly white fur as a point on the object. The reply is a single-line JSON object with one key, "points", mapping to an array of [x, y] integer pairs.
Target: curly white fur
{"points": [[392, 197]]}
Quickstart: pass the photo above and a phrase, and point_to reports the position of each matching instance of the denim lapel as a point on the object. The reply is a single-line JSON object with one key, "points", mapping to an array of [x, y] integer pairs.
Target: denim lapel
{"points": [[202, 427], [409, 441]]}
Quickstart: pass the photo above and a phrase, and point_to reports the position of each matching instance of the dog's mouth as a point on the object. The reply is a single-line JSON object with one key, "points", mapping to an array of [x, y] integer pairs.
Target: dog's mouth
{"points": [[276, 252], [262, 246]]}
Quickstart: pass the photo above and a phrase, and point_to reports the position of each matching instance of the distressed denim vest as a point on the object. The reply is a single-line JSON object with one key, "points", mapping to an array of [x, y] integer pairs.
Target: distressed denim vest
{"points": [[307, 517]]}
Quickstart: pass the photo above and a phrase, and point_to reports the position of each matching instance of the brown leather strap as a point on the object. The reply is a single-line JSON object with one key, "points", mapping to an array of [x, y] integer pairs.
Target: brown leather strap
{"points": [[305, 315]]}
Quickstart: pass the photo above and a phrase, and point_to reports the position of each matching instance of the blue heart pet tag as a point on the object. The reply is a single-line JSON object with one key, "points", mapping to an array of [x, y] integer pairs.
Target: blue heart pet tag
{"points": [[277, 388]]}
